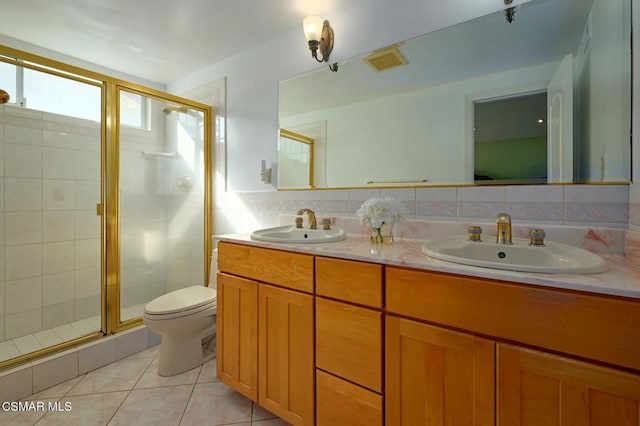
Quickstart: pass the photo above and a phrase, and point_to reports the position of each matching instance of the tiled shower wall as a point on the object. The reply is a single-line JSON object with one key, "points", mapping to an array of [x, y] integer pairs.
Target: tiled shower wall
{"points": [[161, 208], [554, 206], [183, 191], [49, 231], [143, 216]]}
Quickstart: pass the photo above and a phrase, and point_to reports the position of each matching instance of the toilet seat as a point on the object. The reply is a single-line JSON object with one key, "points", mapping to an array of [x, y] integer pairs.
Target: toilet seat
{"points": [[186, 301]]}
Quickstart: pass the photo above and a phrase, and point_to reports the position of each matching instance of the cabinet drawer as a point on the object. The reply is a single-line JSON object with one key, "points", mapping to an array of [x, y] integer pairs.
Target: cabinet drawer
{"points": [[342, 403], [354, 282], [349, 342], [597, 327], [291, 270]]}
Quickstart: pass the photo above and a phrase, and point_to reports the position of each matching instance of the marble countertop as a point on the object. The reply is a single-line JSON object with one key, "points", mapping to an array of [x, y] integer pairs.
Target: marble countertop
{"points": [[622, 278]]}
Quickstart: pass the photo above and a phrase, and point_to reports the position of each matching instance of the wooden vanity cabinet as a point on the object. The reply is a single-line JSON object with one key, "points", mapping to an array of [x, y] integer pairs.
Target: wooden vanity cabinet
{"points": [[265, 322], [597, 327], [325, 341], [349, 343], [424, 362]]}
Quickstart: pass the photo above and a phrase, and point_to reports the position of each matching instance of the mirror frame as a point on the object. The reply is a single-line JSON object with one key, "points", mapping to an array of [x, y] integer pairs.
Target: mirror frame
{"points": [[284, 133]]}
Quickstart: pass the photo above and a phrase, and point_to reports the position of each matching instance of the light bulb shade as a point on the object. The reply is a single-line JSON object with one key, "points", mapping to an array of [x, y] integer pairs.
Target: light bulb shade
{"points": [[312, 27]]}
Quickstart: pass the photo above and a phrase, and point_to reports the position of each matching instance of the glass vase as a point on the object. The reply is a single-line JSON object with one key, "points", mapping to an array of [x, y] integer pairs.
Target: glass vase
{"points": [[382, 235]]}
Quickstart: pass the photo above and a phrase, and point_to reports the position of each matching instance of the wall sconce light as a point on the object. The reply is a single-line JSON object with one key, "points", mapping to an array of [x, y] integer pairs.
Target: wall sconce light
{"points": [[4, 97], [319, 35]]}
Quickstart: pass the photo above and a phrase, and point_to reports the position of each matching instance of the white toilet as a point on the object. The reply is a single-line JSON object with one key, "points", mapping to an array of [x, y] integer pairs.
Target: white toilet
{"points": [[183, 318]]}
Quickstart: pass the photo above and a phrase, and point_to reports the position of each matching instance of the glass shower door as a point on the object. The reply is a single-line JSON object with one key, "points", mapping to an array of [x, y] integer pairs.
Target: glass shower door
{"points": [[51, 235], [162, 199]]}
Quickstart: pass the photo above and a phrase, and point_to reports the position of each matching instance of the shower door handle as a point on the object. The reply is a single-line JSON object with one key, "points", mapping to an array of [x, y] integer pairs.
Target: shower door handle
{"points": [[99, 209]]}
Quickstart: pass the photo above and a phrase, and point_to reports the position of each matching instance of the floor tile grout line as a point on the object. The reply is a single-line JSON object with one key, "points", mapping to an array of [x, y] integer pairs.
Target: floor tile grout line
{"points": [[58, 399], [128, 391], [143, 373], [193, 389], [115, 413], [186, 406]]}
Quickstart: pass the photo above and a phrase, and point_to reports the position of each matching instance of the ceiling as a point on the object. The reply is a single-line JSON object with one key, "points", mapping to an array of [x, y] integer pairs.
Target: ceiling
{"points": [[543, 32], [158, 40]]}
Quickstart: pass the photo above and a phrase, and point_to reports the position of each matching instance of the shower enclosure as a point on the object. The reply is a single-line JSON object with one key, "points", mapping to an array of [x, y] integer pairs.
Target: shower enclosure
{"points": [[162, 205], [104, 197]]}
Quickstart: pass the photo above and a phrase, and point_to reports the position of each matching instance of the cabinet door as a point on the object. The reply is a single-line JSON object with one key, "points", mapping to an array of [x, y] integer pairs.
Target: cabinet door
{"points": [[237, 348], [437, 377], [342, 403], [285, 354], [535, 388]]}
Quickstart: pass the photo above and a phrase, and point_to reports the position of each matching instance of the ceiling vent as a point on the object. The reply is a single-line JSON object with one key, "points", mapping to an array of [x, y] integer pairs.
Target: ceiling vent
{"points": [[384, 59]]}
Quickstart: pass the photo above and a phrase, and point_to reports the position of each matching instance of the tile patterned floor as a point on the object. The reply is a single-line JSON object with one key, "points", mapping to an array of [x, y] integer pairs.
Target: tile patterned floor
{"points": [[130, 392]]}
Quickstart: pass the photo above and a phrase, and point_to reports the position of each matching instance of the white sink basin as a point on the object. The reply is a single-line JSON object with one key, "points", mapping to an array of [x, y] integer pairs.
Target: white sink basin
{"points": [[553, 258], [291, 234]]}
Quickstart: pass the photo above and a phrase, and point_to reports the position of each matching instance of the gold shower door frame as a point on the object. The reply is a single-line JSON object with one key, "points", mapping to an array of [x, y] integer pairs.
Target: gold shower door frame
{"points": [[109, 206], [112, 195]]}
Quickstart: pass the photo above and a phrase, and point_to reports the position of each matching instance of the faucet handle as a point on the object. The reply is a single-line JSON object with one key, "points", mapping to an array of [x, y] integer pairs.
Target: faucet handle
{"points": [[298, 222], [475, 233], [326, 223], [536, 237]]}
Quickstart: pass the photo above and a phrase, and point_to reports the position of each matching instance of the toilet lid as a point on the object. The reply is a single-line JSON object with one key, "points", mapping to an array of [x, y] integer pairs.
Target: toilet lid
{"points": [[181, 300]]}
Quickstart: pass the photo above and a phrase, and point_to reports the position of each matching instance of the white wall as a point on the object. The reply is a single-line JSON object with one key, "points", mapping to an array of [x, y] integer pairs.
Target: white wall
{"points": [[253, 75]]}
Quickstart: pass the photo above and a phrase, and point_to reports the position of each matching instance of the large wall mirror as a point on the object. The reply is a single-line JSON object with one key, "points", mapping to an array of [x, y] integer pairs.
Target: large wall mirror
{"points": [[412, 113]]}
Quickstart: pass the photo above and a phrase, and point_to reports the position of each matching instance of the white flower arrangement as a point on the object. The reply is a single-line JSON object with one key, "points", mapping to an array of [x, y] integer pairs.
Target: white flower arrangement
{"points": [[377, 211]]}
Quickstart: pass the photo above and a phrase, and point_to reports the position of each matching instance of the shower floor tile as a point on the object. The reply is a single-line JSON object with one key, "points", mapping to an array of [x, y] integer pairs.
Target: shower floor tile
{"points": [[43, 339], [47, 338], [8, 350], [27, 344], [67, 332]]}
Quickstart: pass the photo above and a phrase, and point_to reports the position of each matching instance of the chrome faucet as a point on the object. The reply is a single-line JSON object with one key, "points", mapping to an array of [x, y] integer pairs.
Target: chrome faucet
{"points": [[503, 231], [312, 217]]}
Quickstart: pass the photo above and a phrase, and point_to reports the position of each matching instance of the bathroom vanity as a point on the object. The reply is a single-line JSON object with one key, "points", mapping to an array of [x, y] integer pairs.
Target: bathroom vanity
{"points": [[339, 333]]}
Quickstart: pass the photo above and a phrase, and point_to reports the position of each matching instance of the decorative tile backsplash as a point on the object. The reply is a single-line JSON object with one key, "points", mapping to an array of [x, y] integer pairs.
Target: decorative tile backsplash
{"points": [[580, 205], [591, 216]]}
